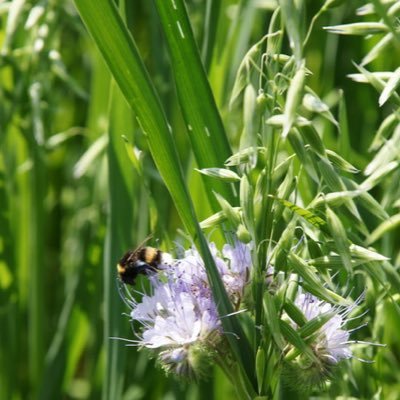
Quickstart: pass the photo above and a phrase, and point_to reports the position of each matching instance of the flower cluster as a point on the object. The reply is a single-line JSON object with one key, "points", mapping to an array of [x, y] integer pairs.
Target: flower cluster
{"points": [[179, 318]]}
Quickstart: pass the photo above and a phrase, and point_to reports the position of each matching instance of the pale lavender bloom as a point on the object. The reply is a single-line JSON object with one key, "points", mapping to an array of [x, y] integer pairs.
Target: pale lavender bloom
{"points": [[182, 324], [178, 313], [236, 271], [180, 316], [239, 257], [332, 342]]}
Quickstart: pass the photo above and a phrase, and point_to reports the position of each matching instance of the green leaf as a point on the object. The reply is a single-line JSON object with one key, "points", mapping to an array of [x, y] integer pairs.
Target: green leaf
{"points": [[313, 325], [340, 162], [275, 32], [339, 236], [299, 148], [307, 215], [314, 104], [261, 363], [282, 248], [378, 175], [220, 173], [385, 129], [310, 280], [292, 14], [329, 262], [392, 223], [297, 341], [231, 213], [367, 201], [390, 87], [134, 156], [60, 138], [311, 137], [375, 78], [212, 13], [330, 176], [376, 81], [387, 153], [279, 121], [247, 155], [377, 49], [358, 28], [205, 128], [246, 202], [272, 320], [250, 117], [250, 59], [365, 255], [216, 219], [96, 149], [344, 138], [122, 58], [294, 313], [294, 98], [335, 183], [284, 190], [335, 199]]}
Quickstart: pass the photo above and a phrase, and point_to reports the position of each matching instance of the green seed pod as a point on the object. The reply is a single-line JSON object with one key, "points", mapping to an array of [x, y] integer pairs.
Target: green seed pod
{"points": [[243, 234]]}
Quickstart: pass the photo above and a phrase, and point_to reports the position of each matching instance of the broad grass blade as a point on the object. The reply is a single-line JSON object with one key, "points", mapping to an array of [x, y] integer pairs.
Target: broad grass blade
{"points": [[205, 128]]}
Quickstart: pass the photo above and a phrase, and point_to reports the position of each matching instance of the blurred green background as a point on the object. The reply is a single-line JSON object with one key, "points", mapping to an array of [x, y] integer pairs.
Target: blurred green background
{"points": [[74, 197]]}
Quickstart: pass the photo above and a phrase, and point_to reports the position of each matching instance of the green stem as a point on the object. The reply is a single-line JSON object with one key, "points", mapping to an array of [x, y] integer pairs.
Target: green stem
{"points": [[233, 375]]}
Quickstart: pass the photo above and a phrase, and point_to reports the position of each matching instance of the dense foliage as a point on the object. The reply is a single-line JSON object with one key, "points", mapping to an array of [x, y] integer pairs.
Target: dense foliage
{"points": [[275, 122]]}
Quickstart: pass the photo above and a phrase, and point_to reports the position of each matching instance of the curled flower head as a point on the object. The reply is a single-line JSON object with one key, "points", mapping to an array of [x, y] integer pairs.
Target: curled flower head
{"points": [[332, 340], [179, 318], [329, 343]]}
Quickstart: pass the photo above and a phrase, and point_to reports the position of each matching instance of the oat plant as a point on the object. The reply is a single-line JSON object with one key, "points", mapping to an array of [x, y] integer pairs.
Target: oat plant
{"points": [[243, 138]]}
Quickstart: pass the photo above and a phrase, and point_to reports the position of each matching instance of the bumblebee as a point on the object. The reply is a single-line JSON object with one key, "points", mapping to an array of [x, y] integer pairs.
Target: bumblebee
{"points": [[144, 260]]}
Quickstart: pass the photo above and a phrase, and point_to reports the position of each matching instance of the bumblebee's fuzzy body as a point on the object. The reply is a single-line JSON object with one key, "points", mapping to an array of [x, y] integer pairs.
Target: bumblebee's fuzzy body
{"points": [[143, 260]]}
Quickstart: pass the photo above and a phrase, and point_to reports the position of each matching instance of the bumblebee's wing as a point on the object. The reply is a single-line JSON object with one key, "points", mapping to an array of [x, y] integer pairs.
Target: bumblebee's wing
{"points": [[131, 255]]}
